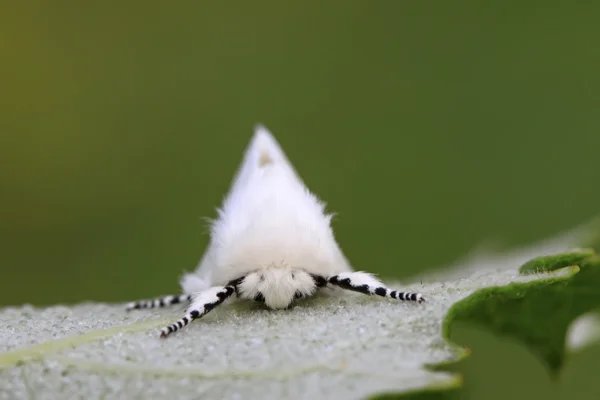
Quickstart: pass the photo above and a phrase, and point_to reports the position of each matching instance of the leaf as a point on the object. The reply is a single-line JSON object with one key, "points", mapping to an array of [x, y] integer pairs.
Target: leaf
{"points": [[500, 367], [538, 313], [348, 347], [556, 261], [550, 318]]}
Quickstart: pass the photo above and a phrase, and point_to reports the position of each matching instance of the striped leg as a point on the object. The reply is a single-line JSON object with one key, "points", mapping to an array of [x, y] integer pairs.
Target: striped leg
{"points": [[201, 304], [159, 302], [365, 283]]}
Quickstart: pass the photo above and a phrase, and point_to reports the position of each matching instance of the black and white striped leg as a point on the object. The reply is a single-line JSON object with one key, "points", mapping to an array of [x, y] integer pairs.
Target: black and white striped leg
{"points": [[201, 304], [159, 302], [366, 283]]}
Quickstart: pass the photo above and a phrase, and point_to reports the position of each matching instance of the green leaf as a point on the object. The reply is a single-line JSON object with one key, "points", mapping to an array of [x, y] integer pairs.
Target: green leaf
{"points": [[556, 261], [537, 313], [348, 347]]}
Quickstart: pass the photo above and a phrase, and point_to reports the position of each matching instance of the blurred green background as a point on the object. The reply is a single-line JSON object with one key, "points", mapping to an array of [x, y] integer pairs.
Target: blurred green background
{"points": [[428, 127]]}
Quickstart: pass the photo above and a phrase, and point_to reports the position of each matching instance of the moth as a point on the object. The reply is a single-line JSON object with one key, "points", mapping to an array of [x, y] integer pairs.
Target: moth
{"points": [[272, 242]]}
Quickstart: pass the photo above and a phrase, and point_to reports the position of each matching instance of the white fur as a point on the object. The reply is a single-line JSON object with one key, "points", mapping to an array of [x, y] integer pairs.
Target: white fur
{"points": [[203, 298], [191, 283], [269, 226], [360, 278], [277, 285]]}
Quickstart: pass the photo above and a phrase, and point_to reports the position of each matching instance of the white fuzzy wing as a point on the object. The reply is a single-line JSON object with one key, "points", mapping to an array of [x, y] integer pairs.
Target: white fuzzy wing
{"points": [[263, 149], [266, 192]]}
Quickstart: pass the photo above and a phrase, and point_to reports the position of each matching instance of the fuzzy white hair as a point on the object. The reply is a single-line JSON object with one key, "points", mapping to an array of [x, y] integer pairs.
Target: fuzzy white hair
{"points": [[270, 223], [272, 241]]}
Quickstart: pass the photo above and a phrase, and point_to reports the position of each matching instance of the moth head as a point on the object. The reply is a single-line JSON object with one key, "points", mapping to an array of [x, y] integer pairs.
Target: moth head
{"points": [[277, 287]]}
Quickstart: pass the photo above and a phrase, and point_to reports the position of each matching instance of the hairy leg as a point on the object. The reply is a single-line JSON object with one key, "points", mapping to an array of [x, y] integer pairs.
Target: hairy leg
{"points": [[201, 304], [159, 302], [366, 283]]}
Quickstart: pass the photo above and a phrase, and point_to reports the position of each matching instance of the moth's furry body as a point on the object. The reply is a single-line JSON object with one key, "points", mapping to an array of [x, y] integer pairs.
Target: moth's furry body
{"points": [[272, 242], [273, 229]]}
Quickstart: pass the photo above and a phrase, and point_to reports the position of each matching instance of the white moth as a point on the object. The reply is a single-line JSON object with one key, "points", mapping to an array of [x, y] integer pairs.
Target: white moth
{"points": [[272, 242]]}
